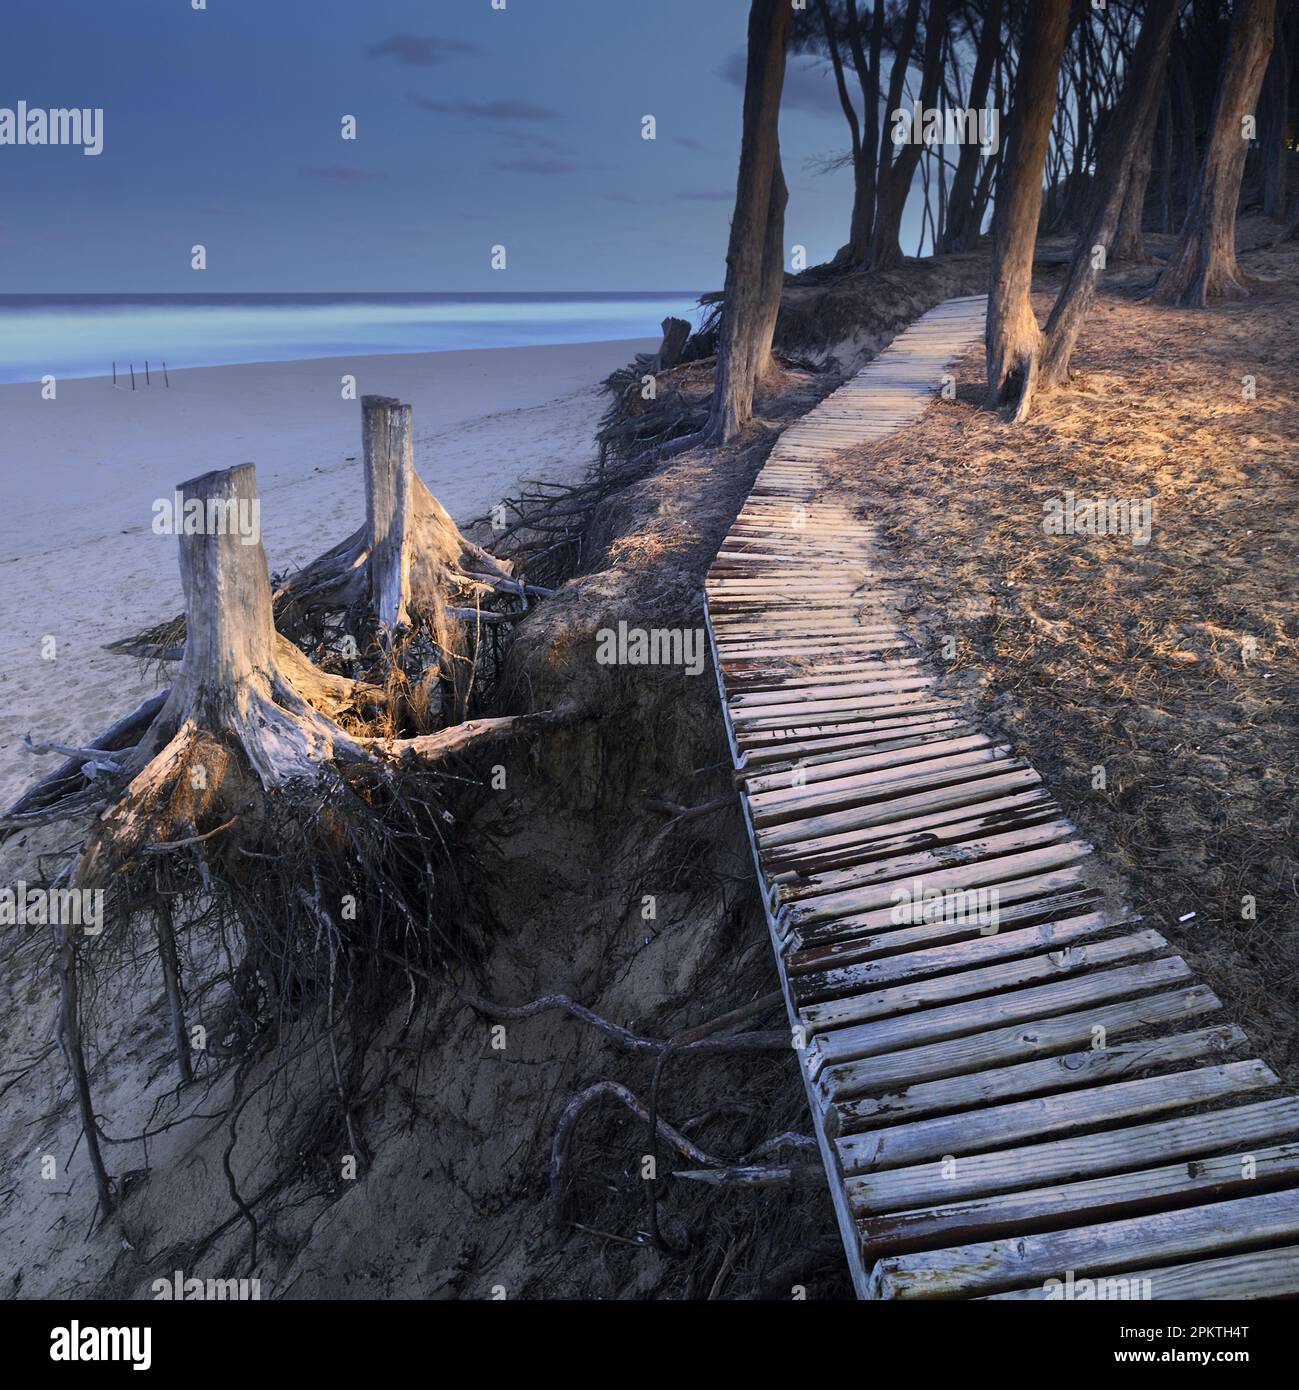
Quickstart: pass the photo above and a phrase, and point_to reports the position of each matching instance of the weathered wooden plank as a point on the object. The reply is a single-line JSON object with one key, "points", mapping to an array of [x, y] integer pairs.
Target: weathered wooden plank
{"points": [[794, 693], [1085, 1155], [873, 934], [1107, 1248], [843, 712], [982, 873], [1004, 1046], [821, 769], [1114, 1062], [775, 750], [1082, 1203], [966, 983], [816, 703], [755, 675], [859, 788], [831, 1053], [802, 875], [840, 989], [984, 783], [1025, 1120], [923, 862], [1255, 1274], [913, 832]]}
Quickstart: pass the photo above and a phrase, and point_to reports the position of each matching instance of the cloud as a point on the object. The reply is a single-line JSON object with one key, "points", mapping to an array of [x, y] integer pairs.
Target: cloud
{"points": [[704, 197], [528, 164], [503, 109], [541, 164], [530, 140], [417, 52], [809, 84], [341, 173], [687, 142]]}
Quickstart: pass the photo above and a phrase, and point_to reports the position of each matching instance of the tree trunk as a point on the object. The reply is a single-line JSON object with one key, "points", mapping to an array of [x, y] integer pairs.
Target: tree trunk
{"points": [[1203, 264], [960, 226], [773, 275], [1131, 122], [897, 173], [1275, 118], [1014, 339], [859, 165], [865, 147], [1128, 242], [857, 250], [748, 313], [1166, 160], [1187, 156]]}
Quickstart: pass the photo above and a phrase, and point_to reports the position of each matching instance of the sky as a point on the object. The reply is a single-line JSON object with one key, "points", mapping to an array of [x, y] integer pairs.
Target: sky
{"points": [[475, 127]]}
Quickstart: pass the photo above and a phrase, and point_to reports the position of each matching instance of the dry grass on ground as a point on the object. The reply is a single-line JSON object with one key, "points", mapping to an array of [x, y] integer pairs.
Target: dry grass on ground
{"points": [[1173, 665]]}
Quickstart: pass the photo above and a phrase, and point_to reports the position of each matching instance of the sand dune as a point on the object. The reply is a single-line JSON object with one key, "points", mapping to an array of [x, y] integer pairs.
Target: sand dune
{"points": [[80, 564]]}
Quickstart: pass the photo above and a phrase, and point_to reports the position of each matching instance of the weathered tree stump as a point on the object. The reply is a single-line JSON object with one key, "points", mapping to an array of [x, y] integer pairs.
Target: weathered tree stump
{"points": [[407, 572], [243, 694], [252, 784], [676, 333], [409, 563]]}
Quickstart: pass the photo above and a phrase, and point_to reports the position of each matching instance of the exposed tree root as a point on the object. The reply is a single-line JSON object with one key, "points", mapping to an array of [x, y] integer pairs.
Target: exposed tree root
{"points": [[697, 1040], [401, 599], [712, 1170], [249, 801]]}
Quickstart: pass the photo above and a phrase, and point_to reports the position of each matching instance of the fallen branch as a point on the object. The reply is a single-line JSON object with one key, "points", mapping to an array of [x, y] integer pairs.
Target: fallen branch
{"points": [[803, 1175], [577, 1107]]}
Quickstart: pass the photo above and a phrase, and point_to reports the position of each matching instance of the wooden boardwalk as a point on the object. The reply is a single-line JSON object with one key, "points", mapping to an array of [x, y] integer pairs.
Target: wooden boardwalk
{"points": [[1006, 1091]]}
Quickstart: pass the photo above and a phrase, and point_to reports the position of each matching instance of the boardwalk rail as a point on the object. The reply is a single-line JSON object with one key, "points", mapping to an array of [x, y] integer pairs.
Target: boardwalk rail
{"points": [[1009, 1092]]}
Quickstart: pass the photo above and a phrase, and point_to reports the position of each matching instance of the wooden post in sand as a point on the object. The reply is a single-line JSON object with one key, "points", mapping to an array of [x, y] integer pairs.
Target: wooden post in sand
{"points": [[387, 443], [230, 634]]}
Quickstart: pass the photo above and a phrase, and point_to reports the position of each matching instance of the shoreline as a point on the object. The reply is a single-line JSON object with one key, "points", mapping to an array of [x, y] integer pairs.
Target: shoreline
{"points": [[81, 565]]}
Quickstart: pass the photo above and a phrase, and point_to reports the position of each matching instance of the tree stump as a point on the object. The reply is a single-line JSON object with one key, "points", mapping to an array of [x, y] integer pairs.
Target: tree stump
{"points": [[409, 563], [676, 333]]}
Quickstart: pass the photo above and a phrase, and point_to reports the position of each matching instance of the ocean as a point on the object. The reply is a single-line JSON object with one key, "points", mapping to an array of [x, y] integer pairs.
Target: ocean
{"points": [[83, 335]]}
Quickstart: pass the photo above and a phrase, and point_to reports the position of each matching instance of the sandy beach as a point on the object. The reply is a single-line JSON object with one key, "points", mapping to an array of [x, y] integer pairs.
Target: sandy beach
{"points": [[80, 564]]}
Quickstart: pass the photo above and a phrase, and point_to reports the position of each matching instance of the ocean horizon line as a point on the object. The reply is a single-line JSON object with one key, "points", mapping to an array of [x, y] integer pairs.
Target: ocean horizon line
{"points": [[32, 298], [78, 336]]}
